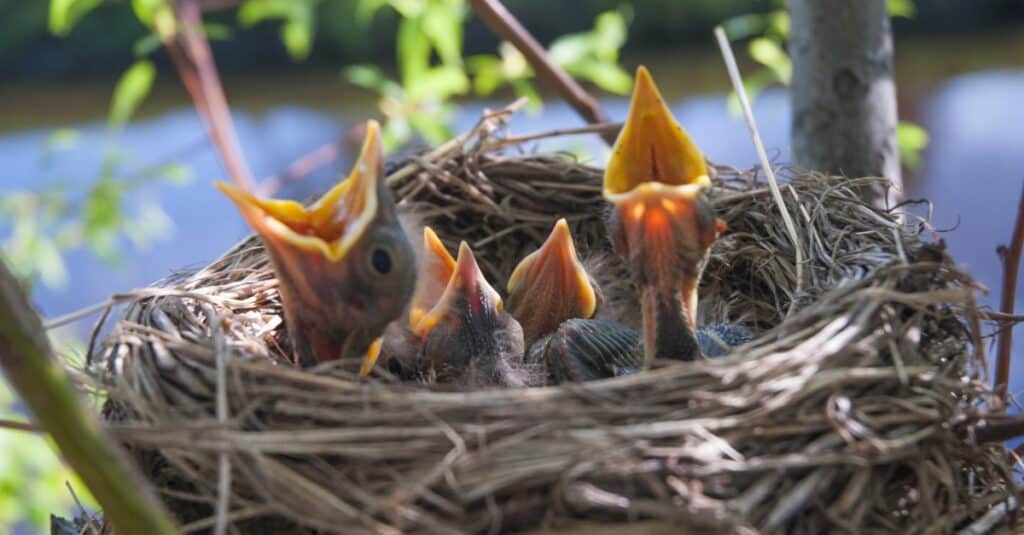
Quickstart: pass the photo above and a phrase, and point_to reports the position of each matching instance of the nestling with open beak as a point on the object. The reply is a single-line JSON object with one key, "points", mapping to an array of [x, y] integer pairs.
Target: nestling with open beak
{"points": [[468, 338], [661, 222], [554, 298], [344, 266], [401, 351]]}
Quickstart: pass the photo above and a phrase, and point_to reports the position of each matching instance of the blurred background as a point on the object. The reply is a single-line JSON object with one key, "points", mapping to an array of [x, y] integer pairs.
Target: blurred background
{"points": [[106, 170]]}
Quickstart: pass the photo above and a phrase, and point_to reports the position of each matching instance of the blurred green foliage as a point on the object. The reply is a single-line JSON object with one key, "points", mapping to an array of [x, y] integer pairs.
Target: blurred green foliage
{"points": [[766, 35]]}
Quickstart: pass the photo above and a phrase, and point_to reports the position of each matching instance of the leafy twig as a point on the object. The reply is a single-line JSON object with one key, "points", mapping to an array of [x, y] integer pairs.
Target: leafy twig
{"points": [[25, 356], [1011, 264], [503, 23]]}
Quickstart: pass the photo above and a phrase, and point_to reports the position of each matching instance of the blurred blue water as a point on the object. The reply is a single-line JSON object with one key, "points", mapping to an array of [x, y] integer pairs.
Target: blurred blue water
{"points": [[973, 172]]}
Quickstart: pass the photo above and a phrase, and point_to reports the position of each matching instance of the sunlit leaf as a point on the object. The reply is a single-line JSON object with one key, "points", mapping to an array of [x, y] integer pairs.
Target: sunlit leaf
{"points": [[442, 24], [778, 23], [607, 76], [409, 8], [217, 32], [439, 82], [48, 260], [65, 13], [568, 49], [513, 63], [486, 71], [769, 53], [609, 35], [131, 89], [297, 36], [146, 10], [364, 75], [901, 8], [413, 50], [912, 140]]}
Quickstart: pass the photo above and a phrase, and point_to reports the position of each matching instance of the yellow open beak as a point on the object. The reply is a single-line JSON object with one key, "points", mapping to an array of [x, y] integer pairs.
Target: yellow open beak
{"points": [[435, 270], [332, 224], [652, 147], [467, 296], [550, 286]]}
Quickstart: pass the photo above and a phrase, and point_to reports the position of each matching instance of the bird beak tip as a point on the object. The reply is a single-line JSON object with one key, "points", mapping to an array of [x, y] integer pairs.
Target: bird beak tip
{"points": [[370, 358]]}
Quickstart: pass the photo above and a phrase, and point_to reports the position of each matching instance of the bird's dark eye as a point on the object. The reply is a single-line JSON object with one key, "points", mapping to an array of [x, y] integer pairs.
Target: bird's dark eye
{"points": [[381, 261], [394, 367]]}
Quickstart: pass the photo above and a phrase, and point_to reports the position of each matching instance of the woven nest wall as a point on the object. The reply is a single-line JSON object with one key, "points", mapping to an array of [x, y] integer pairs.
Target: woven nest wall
{"points": [[852, 410]]}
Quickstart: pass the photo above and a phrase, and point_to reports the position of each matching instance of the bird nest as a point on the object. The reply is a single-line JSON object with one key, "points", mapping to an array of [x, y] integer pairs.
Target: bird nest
{"points": [[854, 409]]}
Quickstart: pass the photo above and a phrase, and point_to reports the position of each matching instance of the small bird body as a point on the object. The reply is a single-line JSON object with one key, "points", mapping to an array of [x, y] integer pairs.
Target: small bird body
{"points": [[467, 337], [344, 266], [660, 221]]}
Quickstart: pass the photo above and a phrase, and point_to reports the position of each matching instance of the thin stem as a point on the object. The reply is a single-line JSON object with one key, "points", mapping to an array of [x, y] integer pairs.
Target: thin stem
{"points": [[1011, 264], [741, 92], [503, 23], [27, 359]]}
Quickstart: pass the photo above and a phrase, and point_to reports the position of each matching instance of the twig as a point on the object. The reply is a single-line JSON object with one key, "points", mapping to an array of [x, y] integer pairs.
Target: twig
{"points": [[21, 426], [190, 52], [223, 460], [991, 518], [25, 356], [503, 23], [611, 129], [1000, 430], [1011, 264], [741, 92]]}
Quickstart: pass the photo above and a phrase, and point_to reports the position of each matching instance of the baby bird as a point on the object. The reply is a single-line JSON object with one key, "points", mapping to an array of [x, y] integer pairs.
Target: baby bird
{"points": [[554, 298], [661, 222], [467, 338], [344, 266]]}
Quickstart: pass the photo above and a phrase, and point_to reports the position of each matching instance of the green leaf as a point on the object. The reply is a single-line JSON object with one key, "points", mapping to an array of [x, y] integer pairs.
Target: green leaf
{"points": [[439, 83], [486, 73], [912, 139], [901, 8], [52, 271], [131, 89], [146, 45], [442, 24], [62, 139], [525, 89], [569, 49], [297, 36], [430, 127], [609, 35], [217, 32], [769, 53], [65, 13], [147, 10], [607, 76], [365, 9], [365, 75], [778, 23], [413, 50]]}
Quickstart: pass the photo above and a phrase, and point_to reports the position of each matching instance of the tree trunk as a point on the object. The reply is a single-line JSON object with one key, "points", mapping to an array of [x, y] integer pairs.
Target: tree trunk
{"points": [[843, 94]]}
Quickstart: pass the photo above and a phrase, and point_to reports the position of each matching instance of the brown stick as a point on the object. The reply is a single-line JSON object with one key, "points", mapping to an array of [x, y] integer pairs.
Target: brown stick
{"points": [[1011, 264], [190, 52], [26, 358], [503, 23]]}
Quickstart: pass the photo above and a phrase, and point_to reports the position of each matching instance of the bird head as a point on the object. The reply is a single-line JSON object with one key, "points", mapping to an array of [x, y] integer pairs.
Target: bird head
{"points": [[550, 286], [467, 335], [661, 222], [344, 266], [655, 181]]}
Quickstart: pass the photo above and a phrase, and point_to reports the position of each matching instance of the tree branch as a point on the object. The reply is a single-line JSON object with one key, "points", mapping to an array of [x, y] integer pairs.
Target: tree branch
{"points": [[26, 358], [503, 23], [1011, 264]]}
